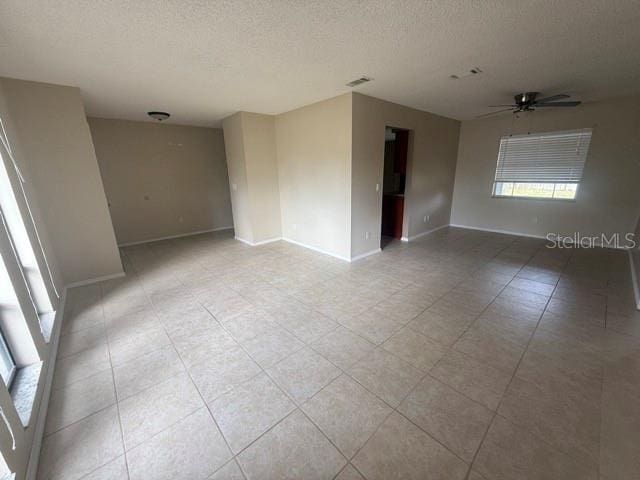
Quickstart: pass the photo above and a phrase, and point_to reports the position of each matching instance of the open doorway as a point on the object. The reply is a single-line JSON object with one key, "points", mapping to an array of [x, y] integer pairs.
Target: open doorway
{"points": [[396, 149]]}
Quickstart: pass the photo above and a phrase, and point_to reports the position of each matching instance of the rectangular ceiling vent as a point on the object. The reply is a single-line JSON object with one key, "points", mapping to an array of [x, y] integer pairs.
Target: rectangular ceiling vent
{"points": [[470, 73], [359, 81]]}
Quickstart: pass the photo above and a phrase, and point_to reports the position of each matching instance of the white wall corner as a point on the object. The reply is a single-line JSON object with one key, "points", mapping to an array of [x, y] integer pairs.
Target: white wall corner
{"points": [[240, 239], [263, 242], [366, 254], [315, 249]]}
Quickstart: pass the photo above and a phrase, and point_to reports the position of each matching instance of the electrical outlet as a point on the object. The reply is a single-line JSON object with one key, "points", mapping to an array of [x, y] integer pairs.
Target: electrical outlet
{"points": [[367, 235], [426, 219]]}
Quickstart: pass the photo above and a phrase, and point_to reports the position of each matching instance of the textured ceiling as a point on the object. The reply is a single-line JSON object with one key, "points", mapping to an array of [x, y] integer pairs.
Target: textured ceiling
{"points": [[203, 60]]}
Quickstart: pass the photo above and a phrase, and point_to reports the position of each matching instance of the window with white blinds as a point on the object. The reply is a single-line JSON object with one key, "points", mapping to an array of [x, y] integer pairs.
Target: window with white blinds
{"points": [[544, 165]]}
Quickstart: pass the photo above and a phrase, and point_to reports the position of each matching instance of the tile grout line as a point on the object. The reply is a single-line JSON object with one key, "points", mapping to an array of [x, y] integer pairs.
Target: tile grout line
{"points": [[450, 348], [543, 440], [299, 406], [188, 373], [113, 378], [233, 454], [395, 409], [495, 412], [309, 345], [263, 370], [377, 347], [296, 405]]}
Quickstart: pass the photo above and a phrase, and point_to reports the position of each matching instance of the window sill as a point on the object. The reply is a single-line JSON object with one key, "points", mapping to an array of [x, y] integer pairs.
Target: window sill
{"points": [[23, 390], [510, 197]]}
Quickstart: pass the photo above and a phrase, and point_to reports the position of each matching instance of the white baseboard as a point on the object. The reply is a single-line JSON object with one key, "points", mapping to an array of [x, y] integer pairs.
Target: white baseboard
{"points": [[89, 281], [262, 242], [520, 234], [170, 237], [422, 234], [269, 240], [43, 406], [364, 255], [491, 230], [634, 279], [315, 249]]}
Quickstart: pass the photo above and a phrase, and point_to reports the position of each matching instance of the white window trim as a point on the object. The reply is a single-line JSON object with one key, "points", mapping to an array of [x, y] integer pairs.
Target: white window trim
{"points": [[17, 181]]}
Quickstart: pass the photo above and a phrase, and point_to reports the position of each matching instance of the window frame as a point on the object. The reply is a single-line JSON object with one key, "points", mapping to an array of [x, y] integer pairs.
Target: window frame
{"points": [[524, 197], [17, 181], [4, 346]]}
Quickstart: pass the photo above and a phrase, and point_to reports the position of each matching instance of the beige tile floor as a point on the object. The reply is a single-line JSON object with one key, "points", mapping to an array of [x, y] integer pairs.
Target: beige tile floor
{"points": [[464, 355]]}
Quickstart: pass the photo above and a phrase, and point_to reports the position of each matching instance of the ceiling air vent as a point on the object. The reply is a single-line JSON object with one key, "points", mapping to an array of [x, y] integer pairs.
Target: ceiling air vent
{"points": [[359, 81], [473, 71]]}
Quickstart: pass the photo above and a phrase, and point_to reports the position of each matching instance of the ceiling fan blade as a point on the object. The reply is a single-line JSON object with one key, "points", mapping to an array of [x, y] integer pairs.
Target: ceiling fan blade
{"points": [[553, 98], [495, 113], [557, 104]]}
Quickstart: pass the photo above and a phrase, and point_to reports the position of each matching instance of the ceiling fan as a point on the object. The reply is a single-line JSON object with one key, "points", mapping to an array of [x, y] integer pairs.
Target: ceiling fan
{"points": [[528, 102]]}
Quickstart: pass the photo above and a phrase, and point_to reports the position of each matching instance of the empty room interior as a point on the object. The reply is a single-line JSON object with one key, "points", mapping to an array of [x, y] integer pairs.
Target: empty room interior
{"points": [[305, 240]]}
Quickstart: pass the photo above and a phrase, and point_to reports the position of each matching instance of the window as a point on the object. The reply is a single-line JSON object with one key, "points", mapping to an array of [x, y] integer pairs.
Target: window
{"points": [[26, 297], [544, 165], [7, 365], [24, 241]]}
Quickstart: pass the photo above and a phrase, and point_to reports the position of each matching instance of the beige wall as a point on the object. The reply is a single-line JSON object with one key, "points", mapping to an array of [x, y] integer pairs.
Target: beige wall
{"points": [[234, 146], [49, 131], [253, 176], [314, 167], [433, 144], [330, 156], [609, 194], [262, 174], [162, 180]]}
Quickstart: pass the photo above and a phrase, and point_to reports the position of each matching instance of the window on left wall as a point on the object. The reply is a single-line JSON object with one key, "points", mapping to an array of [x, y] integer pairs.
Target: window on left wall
{"points": [[25, 242], [27, 296], [7, 364]]}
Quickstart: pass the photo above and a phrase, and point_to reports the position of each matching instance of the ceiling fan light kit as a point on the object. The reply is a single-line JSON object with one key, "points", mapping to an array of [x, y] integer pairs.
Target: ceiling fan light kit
{"points": [[529, 102]]}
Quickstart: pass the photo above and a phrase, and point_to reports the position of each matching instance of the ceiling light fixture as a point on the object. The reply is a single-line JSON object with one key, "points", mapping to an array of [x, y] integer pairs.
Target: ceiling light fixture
{"points": [[159, 116]]}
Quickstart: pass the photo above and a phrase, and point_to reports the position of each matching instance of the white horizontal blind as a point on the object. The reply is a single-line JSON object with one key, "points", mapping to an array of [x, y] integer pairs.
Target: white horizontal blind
{"points": [[554, 157]]}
